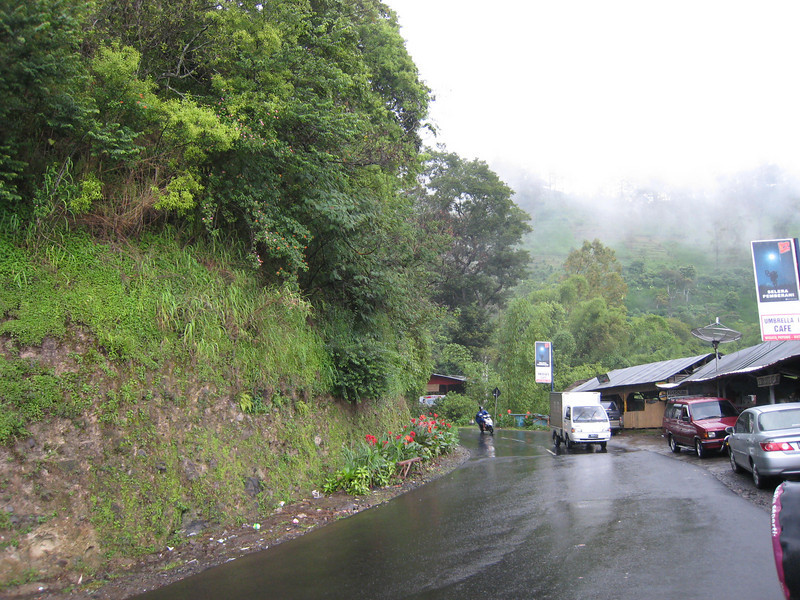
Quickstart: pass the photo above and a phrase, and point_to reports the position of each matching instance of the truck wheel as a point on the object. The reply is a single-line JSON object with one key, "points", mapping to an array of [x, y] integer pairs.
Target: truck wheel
{"points": [[568, 443], [603, 447], [699, 450], [556, 440], [673, 445]]}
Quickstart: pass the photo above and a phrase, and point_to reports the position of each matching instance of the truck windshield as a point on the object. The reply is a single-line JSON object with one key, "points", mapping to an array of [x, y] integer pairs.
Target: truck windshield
{"points": [[713, 410], [588, 414]]}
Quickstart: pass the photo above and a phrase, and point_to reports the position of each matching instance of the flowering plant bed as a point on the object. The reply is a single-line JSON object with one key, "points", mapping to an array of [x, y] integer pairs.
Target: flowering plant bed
{"points": [[373, 462]]}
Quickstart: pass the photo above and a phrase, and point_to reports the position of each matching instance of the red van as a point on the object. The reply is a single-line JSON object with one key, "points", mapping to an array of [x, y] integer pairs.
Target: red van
{"points": [[698, 423]]}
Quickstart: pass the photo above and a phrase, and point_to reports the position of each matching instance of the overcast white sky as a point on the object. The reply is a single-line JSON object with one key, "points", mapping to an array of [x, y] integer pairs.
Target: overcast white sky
{"points": [[588, 91]]}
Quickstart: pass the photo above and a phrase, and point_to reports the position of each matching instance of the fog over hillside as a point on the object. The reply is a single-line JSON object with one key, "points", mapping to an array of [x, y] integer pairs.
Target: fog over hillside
{"points": [[659, 222]]}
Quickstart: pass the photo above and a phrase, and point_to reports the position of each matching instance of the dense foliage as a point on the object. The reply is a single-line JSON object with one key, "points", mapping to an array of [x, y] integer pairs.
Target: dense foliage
{"points": [[288, 134], [283, 130], [468, 205], [126, 316], [585, 314]]}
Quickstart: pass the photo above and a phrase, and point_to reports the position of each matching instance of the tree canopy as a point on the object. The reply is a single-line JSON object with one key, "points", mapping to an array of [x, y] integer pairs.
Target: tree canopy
{"points": [[284, 129], [289, 133], [471, 210]]}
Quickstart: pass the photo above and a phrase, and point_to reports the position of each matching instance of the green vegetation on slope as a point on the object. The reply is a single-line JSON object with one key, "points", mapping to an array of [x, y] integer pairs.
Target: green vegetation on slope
{"points": [[157, 385], [146, 308]]}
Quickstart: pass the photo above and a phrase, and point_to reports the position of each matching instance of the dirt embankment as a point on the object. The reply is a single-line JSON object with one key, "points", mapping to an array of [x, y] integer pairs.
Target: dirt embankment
{"points": [[214, 546]]}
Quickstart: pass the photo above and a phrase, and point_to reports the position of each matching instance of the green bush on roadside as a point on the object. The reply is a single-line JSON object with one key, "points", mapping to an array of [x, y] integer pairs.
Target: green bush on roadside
{"points": [[456, 408], [372, 462]]}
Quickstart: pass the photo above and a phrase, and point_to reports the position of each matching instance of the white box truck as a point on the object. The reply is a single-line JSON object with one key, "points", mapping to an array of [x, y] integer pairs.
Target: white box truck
{"points": [[578, 418]]}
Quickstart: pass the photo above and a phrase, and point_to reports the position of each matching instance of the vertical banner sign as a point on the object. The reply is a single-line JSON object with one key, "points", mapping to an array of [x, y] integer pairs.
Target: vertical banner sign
{"points": [[544, 362], [777, 288]]}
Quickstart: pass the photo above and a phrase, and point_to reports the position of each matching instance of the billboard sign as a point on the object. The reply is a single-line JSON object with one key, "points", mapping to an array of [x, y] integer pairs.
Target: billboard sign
{"points": [[777, 288], [543, 371]]}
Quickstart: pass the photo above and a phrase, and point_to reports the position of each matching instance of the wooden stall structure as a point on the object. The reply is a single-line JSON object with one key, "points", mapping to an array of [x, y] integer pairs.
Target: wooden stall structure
{"points": [[441, 384], [637, 392], [763, 374], [768, 373]]}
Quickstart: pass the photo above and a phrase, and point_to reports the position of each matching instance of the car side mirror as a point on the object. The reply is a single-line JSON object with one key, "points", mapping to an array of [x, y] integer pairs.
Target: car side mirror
{"points": [[685, 418], [729, 430]]}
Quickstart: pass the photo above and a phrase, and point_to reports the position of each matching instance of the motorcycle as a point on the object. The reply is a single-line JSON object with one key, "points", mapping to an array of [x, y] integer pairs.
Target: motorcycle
{"points": [[486, 424]]}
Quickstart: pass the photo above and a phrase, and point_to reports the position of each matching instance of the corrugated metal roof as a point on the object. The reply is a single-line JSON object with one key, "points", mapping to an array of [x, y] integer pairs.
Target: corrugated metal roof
{"points": [[453, 377], [642, 374], [750, 359]]}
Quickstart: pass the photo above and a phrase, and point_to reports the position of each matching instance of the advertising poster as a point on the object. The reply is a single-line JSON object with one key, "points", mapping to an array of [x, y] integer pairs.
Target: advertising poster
{"points": [[543, 371], [777, 288]]}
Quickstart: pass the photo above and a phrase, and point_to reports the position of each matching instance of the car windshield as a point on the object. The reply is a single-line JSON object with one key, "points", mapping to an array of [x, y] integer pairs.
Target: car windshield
{"points": [[782, 419], [587, 414], [713, 410]]}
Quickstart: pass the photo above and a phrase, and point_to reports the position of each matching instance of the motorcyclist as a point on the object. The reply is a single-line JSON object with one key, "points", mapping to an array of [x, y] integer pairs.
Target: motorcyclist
{"points": [[479, 418]]}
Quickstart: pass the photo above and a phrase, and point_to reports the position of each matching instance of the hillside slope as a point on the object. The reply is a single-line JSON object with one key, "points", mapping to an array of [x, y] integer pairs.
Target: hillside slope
{"points": [[148, 391]]}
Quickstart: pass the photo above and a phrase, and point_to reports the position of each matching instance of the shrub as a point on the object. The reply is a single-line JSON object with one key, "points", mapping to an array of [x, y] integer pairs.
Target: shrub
{"points": [[456, 408], [373, 461]]}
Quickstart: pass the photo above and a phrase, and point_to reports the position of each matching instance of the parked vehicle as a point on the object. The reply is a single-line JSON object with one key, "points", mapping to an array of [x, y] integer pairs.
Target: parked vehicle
{"points": [[614, 415], [766, 441], [698, 423], [430, 400], [578, 418]]}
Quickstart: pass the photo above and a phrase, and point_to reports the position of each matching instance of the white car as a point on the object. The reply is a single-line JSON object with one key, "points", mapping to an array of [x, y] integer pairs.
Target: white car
{"points": [[429, 400]]}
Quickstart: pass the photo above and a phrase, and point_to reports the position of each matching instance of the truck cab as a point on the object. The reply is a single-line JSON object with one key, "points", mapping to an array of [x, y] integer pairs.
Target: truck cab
{"points": [[578, 418]]}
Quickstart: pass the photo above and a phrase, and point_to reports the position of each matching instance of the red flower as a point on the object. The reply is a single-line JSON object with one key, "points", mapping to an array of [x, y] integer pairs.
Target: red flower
{"points": [[413, 433], [509, 411]]}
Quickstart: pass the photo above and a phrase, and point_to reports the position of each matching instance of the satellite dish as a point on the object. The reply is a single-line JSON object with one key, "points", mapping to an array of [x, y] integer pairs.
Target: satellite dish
{"points": [[717, 334]]}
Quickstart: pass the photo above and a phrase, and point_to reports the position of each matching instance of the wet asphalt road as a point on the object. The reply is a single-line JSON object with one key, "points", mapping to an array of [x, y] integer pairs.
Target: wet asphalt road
{"points": [[716, 464], [518, 521]]}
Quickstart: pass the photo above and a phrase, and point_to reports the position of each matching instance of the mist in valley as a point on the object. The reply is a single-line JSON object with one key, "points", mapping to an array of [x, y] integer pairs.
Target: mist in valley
{"points": [[662, 223]]}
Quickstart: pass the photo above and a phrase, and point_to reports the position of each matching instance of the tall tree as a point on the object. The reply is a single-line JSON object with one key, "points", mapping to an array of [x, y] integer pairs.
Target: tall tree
{"points": [[466, 202], [520, 325], [44, 109], [600, 330], [603, 273]]}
